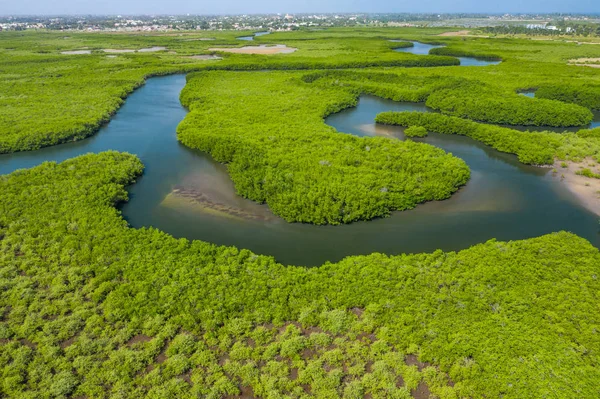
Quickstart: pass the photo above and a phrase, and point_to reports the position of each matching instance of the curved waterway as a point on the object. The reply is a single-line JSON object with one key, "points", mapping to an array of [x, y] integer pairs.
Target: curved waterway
{"points": [[185, 193], [251, 38], [423, 49]]}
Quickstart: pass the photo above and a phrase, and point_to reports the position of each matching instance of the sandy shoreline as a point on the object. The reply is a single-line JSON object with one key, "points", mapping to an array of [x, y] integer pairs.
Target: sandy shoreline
{"points": [[586, 189]]}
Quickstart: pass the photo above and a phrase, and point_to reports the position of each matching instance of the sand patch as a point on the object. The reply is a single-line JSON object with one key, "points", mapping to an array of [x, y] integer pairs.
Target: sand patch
{"points": [[117, 51], [206, 57], [213, 192], [586, 189], [262, 49], [151, 49], [585, 60], [194, 200], [456, 33], [111, 56], [76, 52], [377, 129], [588, 65]]}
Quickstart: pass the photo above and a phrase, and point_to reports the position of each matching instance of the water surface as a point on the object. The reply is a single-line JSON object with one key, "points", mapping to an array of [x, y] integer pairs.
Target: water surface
{"points": [[251, 38], [185, 193], [423, 49]]}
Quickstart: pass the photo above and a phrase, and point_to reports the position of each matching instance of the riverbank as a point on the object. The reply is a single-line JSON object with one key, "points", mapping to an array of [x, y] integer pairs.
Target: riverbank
{"points": [[587, 189]]}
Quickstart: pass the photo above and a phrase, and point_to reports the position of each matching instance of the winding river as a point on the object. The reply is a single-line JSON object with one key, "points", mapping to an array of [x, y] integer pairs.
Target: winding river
{"points": [[423, 49], [504, 199]]}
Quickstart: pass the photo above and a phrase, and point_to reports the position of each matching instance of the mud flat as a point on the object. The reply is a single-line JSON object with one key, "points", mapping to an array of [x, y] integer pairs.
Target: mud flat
{"points": [[151, 49], [184, 197], [262, 49], [587, 189], [76, 52], [589, 62], [456, 33], [117, 51]]}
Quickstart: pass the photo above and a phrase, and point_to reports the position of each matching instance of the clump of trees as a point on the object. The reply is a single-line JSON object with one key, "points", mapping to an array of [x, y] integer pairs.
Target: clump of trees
{"points": [[482, 105], [585, 95], [415, 131]]}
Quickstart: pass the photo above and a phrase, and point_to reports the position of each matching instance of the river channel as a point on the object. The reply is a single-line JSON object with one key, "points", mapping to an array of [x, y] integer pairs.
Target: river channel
{"points": [[503, 199]]}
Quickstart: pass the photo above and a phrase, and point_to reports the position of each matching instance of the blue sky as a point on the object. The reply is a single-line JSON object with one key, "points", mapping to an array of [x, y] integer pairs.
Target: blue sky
{"points": [[283, 6]]}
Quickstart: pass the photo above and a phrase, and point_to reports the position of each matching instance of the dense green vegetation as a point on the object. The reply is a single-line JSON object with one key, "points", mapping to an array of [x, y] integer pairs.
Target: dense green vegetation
{"points": [[415, 131], [538, 148], [93, 308], [269, 129], [510, 109], [39, 83], [585, 96]]}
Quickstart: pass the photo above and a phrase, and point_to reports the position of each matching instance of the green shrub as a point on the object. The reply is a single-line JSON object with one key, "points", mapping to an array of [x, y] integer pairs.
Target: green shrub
{"points": [[415, 131]]}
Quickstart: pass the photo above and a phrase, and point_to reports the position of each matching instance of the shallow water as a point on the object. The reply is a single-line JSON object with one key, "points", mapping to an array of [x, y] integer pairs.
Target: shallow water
{"points": [[185, 193], [423, 49]]}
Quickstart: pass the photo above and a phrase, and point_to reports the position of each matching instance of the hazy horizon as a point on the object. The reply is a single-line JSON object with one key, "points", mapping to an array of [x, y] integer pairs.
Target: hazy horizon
{"points": [[236, 7]]}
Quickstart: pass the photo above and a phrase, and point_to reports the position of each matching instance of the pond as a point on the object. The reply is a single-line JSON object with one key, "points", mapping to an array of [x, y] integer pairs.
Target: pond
{"points": [[185, 193], [423, 49]]}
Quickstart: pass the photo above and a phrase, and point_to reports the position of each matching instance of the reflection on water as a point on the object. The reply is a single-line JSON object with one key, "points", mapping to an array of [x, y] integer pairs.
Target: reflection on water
{"points": [[185, 193]]}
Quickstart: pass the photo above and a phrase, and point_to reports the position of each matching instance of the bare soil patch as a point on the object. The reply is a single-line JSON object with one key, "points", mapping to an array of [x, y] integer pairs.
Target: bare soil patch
{"points": [[262, 49], [68, 342], [422, 391], [76, 52], [585, 60], [456, 33], [28, 343], [412, 360], [118, 51], [138, 338], [589, 65]]}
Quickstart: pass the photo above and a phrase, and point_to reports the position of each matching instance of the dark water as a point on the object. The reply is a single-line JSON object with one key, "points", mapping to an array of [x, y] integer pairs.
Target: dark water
{"points": [[423, 49], [503, 199], [251, 38]]}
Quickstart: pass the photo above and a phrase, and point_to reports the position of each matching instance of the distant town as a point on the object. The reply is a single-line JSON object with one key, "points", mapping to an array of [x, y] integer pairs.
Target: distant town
{"points": [[546, 23]]}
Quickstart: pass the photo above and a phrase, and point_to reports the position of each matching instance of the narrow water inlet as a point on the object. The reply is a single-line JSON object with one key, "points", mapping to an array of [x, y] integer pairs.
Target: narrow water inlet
{"points": [[419, 48]]}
